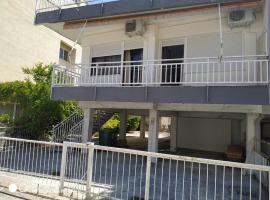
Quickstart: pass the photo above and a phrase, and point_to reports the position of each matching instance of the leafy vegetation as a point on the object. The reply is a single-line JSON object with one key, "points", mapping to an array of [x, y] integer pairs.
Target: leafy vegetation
{"points": [[133, 123], [113, 123], [39, 112], [5, 119]]}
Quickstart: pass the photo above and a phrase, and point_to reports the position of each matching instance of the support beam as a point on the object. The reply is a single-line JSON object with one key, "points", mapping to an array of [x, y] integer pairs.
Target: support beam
{"points": [[153, 131], [87, 125], [258, 133], [142, 127], [173, 134], [123, 124], [250, 137]]}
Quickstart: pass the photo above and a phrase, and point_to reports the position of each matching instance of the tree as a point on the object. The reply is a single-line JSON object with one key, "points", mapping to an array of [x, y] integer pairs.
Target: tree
{"points": [[39, 112]]}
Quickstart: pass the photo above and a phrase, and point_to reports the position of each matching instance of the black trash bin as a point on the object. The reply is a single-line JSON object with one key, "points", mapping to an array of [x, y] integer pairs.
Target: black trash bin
{"points": [[107, 137]]}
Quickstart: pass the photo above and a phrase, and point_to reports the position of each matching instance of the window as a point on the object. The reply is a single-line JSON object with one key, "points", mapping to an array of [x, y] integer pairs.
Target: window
{"points": [[63, 54], [106, 65]]}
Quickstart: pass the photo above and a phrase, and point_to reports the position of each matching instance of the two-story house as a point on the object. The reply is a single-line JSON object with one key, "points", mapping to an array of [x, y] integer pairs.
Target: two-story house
{"points": [[204, 64]]}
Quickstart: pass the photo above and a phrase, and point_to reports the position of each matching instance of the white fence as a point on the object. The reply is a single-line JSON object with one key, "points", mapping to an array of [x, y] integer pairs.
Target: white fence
{"points": [[198, 71], [96, 172]]}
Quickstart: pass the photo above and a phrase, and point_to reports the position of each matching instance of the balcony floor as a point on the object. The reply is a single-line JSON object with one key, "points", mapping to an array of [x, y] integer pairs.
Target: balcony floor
{"points": [[248, 95]]}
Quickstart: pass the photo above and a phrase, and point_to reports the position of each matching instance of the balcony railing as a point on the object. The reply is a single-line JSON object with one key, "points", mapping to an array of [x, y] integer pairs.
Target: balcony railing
{"points": [[229, 71], [49, 5]]}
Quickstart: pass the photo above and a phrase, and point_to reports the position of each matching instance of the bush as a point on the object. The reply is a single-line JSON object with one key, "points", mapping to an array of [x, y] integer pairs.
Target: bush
{"points": [[113, 123], [133, 123], [5, 118], [38, 112]]}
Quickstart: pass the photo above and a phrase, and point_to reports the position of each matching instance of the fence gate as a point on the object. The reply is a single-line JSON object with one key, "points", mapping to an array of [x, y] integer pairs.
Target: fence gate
{"points": [[74, 168], [92, 172]]}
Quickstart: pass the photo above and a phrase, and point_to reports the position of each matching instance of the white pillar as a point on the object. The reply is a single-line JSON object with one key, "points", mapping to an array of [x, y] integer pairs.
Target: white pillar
{"points": [[150, 52], [142, 127], [123, 124], [87, 125], [258, 133], [173, 134], [153, 131], [250, 137]]}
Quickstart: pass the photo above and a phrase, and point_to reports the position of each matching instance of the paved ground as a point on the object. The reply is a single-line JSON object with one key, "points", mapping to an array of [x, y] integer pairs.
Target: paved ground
{"points": [[5, 194], [133, 141]]}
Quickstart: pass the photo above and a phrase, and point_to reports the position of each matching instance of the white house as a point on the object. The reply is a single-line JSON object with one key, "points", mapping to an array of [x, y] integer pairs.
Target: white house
{"points": [[204, 64]]}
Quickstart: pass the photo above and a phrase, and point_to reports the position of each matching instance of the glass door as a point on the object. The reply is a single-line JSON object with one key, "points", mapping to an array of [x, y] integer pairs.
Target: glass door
{"points": [[172, 59]]}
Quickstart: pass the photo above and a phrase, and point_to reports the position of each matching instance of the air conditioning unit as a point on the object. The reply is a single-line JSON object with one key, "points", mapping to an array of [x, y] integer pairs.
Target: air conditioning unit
{"points": [[238, 18], [135, 27]]}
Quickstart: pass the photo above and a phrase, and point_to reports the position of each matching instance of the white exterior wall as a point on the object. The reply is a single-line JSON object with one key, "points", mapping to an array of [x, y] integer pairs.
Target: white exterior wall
{"points": [[22, 44], [204, 134], [199, 34]]}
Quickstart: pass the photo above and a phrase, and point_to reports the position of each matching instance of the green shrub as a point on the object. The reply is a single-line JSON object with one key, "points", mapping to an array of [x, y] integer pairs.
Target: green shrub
{"points": [[133, 123], [38, 112], [5, 118], [113, 123]]}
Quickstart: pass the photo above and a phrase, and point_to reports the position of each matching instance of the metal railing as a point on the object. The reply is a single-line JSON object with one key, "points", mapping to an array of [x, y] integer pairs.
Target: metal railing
{"points": [[61, 130], [71, 128], [75, 133], [50, 5], [97, 172], [196, 71], [34, 166]]}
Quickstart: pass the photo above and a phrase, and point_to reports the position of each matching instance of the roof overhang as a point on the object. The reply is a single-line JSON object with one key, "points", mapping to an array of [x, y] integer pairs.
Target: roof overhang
{"points": [[67, 21]]}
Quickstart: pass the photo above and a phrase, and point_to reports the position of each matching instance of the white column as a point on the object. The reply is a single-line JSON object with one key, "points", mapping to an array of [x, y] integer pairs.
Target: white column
{"points": [[123, 124], [87, 125], [86, 58], [150, 52], [173, 134], [258, 133], [142, 127], [250, 137], [153, 131]]}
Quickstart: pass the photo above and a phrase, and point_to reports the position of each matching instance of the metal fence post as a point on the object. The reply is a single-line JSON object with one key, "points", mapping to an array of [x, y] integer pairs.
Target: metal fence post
{"points": [[90, 160], [147, 178], [63, 168]]}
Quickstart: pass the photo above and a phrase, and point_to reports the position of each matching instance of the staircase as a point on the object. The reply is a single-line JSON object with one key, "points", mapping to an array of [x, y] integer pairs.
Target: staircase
{"points": [[71, 128]]}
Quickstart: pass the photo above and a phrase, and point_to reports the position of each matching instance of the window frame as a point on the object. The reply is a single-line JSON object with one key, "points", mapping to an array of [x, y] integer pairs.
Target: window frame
{"points": [[111, 60], [63, 54]]}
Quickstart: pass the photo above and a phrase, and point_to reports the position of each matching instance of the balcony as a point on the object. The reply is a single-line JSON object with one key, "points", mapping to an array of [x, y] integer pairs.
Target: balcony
{"points": [[231, 80], [229, 71]]}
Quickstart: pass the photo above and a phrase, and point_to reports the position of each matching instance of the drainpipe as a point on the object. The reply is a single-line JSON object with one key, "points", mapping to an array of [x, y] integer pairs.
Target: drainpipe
{"points": [[220, 33]]}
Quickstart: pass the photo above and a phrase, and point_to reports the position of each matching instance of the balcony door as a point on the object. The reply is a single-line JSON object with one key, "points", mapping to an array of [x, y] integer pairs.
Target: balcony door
{"points": [[132, 71], [172, 69]]}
